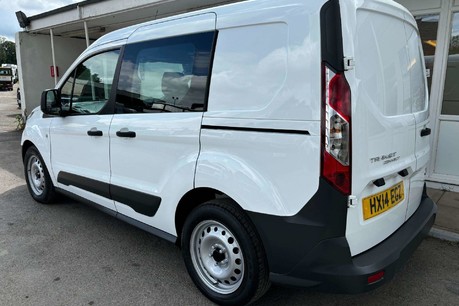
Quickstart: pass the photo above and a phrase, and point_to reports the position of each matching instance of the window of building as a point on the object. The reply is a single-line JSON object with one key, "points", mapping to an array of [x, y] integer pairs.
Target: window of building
{"points": [[428, 28], [450, 104]]}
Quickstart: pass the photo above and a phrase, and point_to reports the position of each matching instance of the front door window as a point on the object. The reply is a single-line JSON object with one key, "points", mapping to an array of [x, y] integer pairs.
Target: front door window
{"points": [[88, 88]]}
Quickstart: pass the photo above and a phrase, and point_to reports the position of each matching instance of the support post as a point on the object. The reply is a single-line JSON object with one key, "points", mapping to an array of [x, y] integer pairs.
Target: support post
{"points": [[53, 55]]}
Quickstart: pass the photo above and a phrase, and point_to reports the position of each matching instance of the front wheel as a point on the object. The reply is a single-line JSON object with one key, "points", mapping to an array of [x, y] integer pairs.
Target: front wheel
{"points": [[224, 254], [37, 177]]}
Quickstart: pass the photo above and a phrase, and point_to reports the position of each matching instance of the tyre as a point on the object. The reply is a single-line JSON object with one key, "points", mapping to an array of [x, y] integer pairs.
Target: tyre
{"points": [[224, 254], [37, 177]]}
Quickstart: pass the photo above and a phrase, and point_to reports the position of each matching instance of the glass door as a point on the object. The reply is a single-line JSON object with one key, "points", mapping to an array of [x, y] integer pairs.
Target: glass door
{"points": [[447, 157]]}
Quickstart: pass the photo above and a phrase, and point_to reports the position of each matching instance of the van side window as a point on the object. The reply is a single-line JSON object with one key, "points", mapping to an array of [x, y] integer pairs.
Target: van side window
{"points": [[166, 75], [88, 88]]}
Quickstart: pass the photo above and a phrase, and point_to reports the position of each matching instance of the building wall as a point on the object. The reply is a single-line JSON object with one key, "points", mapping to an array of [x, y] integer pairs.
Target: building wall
{"points": [[419, 5], [34, 56], [438, 22]]}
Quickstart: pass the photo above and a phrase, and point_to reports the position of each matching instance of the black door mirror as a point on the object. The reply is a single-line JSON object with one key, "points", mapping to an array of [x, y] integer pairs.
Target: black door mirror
{"points": [[50, 102]]}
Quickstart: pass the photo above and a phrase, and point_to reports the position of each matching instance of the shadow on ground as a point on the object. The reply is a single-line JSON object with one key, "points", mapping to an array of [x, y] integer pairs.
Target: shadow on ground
{"points": [[10, 149]]}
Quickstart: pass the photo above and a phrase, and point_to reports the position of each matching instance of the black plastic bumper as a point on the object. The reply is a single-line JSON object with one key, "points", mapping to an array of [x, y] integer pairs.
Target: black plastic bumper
{"points": [[329, 264]]}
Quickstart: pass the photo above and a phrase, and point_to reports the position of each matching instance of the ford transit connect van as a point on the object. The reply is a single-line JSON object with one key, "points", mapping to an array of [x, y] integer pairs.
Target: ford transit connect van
{"points": [[274, 141]]}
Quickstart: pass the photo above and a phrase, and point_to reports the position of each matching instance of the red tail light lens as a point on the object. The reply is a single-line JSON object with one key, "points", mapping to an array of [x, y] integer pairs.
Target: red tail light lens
{"points": [[336, 143]]}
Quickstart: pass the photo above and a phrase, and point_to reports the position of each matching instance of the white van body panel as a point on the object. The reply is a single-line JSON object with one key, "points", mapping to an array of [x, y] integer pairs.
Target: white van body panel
{"points": [[227, 164], [422, 157], [385, 93], [84, 156], [159, 161], [37, 132], [278, 61]]}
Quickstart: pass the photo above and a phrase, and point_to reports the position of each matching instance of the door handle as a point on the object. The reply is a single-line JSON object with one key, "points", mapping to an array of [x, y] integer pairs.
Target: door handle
{"points": [[125, 134], [95, 132], [425, 132]]}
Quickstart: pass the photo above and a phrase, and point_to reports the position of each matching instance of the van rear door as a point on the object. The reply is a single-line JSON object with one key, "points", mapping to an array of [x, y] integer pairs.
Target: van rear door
{"points": [[388, 95], [420, 109]]}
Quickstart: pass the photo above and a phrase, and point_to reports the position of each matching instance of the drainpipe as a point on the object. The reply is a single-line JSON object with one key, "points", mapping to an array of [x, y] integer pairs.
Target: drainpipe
{"points": [[53, 55]]}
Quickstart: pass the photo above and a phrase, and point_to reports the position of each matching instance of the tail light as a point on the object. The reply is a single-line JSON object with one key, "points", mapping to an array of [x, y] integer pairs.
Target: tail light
{"points": [[336, 139]]}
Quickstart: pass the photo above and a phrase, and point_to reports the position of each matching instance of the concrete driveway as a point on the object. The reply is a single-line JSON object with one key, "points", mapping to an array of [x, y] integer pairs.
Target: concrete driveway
{"points": [[71, 254]]}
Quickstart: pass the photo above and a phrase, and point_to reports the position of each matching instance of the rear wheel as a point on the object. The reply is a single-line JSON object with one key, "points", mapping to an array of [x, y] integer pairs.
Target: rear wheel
{"points": [[37, 177], [223, 254]]}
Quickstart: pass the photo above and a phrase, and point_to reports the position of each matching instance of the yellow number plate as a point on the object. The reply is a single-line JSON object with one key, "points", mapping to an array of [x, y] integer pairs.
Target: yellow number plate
{"points": [[378, 203]]}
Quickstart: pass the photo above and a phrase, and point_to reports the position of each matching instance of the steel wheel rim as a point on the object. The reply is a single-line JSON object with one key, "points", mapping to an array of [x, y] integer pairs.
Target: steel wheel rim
{"points": [[217, 257], [36, 175]]}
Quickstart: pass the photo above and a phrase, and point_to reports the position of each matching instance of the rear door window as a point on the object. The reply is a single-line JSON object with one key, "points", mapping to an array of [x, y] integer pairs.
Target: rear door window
{"points": [[166, 75]]}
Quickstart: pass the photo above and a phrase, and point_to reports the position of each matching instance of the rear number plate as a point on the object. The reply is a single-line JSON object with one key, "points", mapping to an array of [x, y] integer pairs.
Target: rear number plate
{"points": [[378, 203]]}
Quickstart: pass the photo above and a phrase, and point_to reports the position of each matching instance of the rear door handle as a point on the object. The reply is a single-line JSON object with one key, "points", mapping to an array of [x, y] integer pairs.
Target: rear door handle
{"points": [[95, 132], [125, 134], [425, 132]]}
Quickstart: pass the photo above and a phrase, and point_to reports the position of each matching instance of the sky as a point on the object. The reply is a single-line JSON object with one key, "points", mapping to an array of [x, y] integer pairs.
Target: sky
{"points": [[8, 22]]}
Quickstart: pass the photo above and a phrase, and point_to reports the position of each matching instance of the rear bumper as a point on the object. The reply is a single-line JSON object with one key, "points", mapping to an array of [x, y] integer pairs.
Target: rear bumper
{"points": [[329, 264], [350, 275]]}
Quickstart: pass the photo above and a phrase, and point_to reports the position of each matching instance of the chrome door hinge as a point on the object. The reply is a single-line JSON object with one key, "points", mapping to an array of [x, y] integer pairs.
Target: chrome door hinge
{"points": [[351, 201], [349, 63]]}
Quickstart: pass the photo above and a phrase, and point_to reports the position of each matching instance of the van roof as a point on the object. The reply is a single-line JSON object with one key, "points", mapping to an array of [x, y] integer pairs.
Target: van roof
{"points": [[124, 33]]}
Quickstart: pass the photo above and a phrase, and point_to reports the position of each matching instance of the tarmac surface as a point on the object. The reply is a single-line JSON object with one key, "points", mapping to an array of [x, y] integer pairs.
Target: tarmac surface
{"points": [[72, 254]]}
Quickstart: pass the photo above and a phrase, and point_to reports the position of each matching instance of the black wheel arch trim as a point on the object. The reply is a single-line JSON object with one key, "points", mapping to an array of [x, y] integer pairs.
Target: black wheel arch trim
{"points": [[322, 217]]}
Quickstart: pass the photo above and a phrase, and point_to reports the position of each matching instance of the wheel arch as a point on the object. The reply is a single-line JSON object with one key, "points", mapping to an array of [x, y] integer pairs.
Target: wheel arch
{"points": [[193, 199], [25, 146], [42, 148]]}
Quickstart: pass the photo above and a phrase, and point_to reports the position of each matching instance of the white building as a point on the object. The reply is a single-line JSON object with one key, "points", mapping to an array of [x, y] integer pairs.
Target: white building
{"points": [[438, 22], [56, 38]]}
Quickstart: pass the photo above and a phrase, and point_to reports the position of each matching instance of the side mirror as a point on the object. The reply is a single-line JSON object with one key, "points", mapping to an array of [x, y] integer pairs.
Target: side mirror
{"points": [[50, 102]]}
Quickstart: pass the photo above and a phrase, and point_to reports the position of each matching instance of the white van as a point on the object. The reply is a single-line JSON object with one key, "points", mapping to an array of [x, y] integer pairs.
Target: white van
{"points": [[274, 141]]}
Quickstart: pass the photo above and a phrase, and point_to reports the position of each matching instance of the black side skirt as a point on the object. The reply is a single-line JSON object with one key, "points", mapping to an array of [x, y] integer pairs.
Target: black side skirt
{"points": [[142, 203]]}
